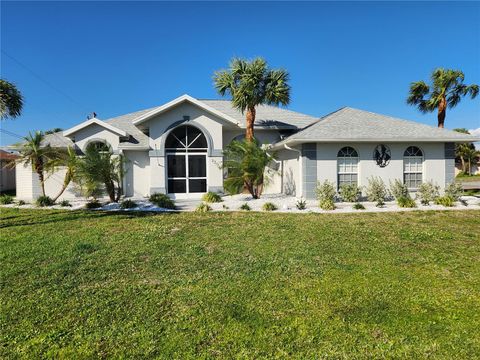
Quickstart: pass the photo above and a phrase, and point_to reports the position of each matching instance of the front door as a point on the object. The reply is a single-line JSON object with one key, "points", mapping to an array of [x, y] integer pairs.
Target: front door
{"points": [[186, 173]]}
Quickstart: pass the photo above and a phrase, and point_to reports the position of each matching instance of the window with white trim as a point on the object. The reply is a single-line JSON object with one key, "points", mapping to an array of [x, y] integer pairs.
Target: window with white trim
{"points": [[413, 167], [347, 166]]}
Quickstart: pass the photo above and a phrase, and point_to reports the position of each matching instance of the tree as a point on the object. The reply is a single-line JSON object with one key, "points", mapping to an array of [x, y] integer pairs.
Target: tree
{"points": [[41, 157], [461, 150], [471, 156], [53, 131], [11, 100], [253, 83], [246, 163], [100, 171], [446, 90], [69, 161]]}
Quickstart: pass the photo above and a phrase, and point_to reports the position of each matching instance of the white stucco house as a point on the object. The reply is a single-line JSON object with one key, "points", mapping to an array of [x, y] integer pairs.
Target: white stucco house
{"points": [[176, 148]]}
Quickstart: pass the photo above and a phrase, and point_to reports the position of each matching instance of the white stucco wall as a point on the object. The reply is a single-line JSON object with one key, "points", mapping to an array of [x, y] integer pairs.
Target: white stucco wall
{"points": [[434, 165], [95, 132], [137, 176]]}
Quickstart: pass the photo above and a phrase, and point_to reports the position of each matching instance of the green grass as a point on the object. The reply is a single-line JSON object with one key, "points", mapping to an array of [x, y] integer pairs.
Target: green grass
{"points": [[467, 178], [78, 284]]}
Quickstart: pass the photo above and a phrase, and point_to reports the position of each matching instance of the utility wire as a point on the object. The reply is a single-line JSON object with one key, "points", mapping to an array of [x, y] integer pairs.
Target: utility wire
{"points": [[9, 133], [45, 81]]}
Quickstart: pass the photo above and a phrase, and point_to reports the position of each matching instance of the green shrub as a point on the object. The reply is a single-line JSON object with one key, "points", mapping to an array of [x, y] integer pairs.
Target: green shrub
{"points": [[43, 201], [211, 197], [398, 189], [427, 192], [446, 201], [454, 190], [268, 206], [93, 204], [301, 204], [406, 202], [6, 199], [350, 192], [128, 204], [326, 195], [162, 200], [358, 206], [327, 204], [376, 191], [203, 208], [65, 203], [245, 207], [21, 202], [225, 207]]}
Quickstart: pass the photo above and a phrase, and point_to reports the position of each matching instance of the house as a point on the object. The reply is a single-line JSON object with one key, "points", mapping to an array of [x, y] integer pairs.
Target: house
{"points": [[7, 171], [177, 149]]}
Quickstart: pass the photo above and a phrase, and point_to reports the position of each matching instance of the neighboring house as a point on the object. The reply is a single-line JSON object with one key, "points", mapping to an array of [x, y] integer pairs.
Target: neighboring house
{"points": [[7, 171], [177, 149]]}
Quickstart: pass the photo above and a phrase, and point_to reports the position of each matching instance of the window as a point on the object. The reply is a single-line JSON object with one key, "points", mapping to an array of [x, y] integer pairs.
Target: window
{"points": [[347, 166], [99, 146], [186, 148], [412, 167]]}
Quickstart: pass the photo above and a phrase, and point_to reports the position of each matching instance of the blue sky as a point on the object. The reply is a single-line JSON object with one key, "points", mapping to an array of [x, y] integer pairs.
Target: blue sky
{"points": [[118, 57]]}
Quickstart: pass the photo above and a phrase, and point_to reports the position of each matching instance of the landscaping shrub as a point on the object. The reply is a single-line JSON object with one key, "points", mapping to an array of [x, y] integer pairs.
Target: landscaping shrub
{"points": [[327, 204], [162, 200], [358, 206], [6, 199], [43, 201], [376, 191], [406, 202], [245, 207], [427, 192], [446, 201], [350, 193], [454, 190], [398, 189], [325, 190], [65, 203], [128, 204], [211, 197], [21, 203], [203, 208], [301, 204], [93, 204], [268, 206]]}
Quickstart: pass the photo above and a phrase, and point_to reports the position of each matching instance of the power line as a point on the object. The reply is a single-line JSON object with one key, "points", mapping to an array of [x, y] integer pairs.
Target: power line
{"points": [[9, 133], [45, 81]]}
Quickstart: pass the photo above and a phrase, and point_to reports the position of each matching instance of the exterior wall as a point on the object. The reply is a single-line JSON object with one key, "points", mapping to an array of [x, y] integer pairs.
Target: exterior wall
{"points": [[210, 125], [436, 166], [7, 176], [95, 132], [287, 179], [137, 176], [25, 184], [263, 136]]}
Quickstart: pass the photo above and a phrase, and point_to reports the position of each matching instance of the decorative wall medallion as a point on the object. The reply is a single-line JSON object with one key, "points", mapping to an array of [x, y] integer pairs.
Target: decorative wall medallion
{"points": [[382, 155]]}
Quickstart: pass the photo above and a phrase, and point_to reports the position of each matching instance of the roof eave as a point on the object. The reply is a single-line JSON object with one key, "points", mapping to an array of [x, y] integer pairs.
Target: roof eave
{"points": [[98, 122]]}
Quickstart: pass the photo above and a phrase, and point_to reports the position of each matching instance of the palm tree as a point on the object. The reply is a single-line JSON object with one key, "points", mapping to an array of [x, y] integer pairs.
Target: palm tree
{"points": [[69, 161], [253, 83], [11, 100], [446, 90], [461, 149], [41, 157], [471, 156]]}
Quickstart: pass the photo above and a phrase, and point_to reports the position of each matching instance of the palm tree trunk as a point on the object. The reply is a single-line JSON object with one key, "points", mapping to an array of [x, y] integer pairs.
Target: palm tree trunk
{"points": [[41, 178], [442, 112], [464, 170], [64, 187], [250, 122]]}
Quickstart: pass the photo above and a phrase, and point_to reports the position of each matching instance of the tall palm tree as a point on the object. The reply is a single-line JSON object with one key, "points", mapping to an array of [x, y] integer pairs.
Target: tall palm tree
{"points": [[461, 149], [253, 83], [11, 100], [471, 156], [41, 157], [446, 90]]}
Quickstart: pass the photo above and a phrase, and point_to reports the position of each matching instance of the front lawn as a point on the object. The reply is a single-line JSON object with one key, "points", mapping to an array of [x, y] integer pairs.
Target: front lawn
{"points": [[76, 284]]}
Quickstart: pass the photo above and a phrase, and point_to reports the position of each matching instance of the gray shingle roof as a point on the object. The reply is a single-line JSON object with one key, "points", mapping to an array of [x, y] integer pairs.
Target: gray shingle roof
{"points": [[348, 124], [266, 115]]}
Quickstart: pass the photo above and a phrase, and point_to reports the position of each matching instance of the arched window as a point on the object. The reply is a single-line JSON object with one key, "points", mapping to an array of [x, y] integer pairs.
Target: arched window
{"points": [[347, 166], [98, 145], [413, 167], [186, 152]]}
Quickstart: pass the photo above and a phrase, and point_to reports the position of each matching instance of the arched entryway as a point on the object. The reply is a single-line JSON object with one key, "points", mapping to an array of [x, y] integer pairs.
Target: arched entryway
{"points": [[186, 150]]}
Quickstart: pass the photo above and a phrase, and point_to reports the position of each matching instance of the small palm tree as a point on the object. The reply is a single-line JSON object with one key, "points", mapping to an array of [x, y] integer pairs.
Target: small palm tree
{"points": [[69, 161], [461, 149], [11, 100], [246, 162], [253, 83], [446, 90], [42, 158], [471, 156]]}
